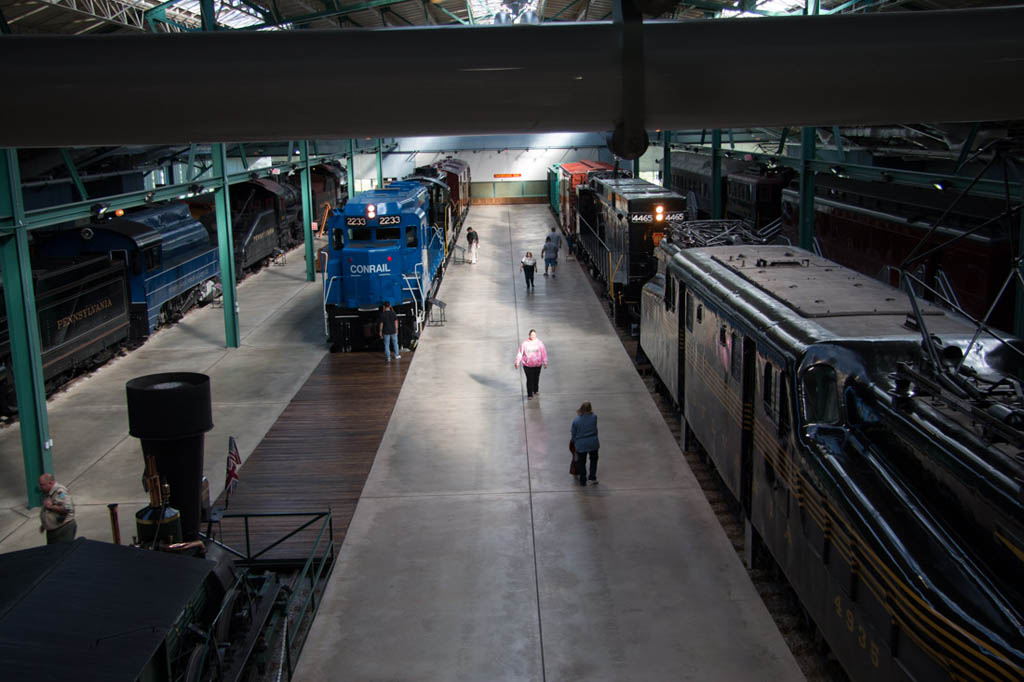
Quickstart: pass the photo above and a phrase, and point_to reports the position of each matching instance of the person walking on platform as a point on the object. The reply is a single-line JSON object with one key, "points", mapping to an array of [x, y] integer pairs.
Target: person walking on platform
{"points": [[532, 355], [584, 438], [387, 329], [550, 255], [556, 238], [474, 243], [528, 265], [57, 515]]}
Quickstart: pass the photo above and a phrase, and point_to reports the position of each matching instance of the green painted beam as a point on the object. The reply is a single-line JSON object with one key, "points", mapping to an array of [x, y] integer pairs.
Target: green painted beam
{"points": [[806, 227], [398, 16], [565, 9], [782, 141], [23, 331], [350, 170], [327, 14], [44, 217], [191, 161], [208, 13], [5, 28], [453, 16], [955, 183], [226, 246], [242, 156], [965, 151], [73, 171], [717, 200], [380, 165], [837, 140], [469, 11], [307, 209]]}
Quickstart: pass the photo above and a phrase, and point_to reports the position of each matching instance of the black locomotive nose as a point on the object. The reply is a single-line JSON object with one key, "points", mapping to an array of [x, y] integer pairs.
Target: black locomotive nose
{"points": [[170, 413]]}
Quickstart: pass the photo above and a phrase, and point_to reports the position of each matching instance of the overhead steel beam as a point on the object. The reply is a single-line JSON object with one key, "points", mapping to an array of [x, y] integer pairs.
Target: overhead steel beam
{"points": [[327, 14], [538, 78], [452, 15]]}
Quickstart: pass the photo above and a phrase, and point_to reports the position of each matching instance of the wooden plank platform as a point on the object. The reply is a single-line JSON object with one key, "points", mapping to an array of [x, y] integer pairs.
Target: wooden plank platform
{"points": [[318, 453]]}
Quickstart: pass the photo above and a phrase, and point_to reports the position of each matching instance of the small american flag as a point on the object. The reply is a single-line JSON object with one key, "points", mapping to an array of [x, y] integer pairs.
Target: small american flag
{"points": [[234, 461]]}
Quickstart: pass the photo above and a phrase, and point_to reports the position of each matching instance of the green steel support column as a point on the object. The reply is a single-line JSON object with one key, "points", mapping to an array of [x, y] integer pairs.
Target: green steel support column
{"points": [[74, 175], [636, 168], [965, 151], [807, 187], [350, 170], [191, 162], [307, 209], [23, 328], [227, 246], [782, 142], [380, 167], [5, 29], [838, 142], [716, 173], [208, 13], [291, 144], [732, 140], [666, 158], [241, 153]]}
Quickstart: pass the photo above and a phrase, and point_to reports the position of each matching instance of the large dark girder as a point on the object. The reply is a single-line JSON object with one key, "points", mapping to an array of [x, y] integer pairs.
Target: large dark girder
{"points": [[963, 65]]}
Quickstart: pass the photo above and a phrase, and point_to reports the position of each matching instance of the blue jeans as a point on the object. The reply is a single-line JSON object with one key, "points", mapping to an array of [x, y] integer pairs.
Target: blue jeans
{"points": [[390, 340]]}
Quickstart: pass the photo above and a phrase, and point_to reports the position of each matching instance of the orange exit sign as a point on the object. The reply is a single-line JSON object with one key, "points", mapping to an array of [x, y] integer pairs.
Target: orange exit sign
{"points": [[508, 175]]}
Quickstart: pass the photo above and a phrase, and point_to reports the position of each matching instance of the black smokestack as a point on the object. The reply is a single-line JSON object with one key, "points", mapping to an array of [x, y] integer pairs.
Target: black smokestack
{"points": [[170, 413]]}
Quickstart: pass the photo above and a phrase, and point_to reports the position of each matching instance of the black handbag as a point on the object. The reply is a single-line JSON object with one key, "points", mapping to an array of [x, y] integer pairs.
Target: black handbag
{"points": [[572, 463]]}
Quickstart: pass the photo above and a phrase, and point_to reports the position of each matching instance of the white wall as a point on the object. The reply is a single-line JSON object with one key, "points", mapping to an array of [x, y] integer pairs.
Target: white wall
{"points": [[488, 155]]}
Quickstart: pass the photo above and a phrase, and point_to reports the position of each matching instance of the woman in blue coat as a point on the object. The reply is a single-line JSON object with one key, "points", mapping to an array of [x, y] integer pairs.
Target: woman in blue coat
{"points": [[584, 437]]}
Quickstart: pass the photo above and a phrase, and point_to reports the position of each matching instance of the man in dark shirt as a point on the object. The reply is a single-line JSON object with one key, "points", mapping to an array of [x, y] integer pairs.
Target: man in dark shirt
{"points": [[387, 328], [474, 243]]}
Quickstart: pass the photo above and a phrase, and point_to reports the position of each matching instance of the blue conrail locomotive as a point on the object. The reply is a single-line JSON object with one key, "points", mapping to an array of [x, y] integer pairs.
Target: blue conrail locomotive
{"points": [[388, 244]]}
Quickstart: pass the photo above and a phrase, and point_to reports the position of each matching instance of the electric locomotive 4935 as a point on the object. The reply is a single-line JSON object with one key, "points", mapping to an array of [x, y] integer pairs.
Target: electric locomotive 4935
{"points": [[386, 245], [874, 443]]}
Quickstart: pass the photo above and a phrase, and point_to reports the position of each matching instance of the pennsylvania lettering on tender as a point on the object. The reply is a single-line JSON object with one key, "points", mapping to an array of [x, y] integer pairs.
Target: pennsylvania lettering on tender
{"points": [[85, 312]]}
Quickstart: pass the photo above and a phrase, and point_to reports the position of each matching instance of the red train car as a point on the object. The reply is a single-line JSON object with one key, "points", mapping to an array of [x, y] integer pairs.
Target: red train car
{"points": [[573, 175], [458, 178], [871, 227]]}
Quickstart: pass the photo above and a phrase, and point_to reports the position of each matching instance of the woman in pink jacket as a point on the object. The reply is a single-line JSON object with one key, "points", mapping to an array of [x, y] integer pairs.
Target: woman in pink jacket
{"points": [[533, 356]]}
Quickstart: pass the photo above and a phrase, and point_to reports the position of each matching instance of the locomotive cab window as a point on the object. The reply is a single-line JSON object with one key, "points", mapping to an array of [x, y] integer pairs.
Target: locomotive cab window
{"points": [[821, 395], [389, 233], [360, 234], [768, 386], [689, 311], [737, 357], [152, 258], [410, 236], [670, 293], [339, 239]]}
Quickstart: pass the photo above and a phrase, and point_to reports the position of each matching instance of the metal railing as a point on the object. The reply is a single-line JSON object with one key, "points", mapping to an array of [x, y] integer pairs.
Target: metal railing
{"points": [[301, 607]]}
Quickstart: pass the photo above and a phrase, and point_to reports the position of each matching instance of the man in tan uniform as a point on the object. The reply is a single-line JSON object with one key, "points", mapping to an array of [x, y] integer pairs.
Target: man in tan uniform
{"points": [[57, 515]]}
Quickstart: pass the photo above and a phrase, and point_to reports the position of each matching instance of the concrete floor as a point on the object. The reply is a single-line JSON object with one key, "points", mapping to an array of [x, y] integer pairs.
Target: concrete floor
{"points": [[473, 555], [280, 318]]}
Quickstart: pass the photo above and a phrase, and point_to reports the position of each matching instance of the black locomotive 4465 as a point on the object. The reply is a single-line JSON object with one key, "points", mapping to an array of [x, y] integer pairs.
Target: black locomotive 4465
{"points": [[874, 443]]}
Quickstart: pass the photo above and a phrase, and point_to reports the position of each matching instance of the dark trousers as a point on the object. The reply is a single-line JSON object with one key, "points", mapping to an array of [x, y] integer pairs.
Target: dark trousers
{"points": [[532, 380], [581, 465], [65, 533], [528, 272]]}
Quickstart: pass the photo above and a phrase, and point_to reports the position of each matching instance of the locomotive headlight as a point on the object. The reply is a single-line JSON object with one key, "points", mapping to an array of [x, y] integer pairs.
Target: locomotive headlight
{"points": [[659, 213], [371, 211]]}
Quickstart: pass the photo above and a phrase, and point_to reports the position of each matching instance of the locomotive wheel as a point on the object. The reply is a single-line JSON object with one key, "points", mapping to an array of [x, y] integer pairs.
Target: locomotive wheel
{"points": [[197, 664]]}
